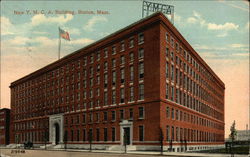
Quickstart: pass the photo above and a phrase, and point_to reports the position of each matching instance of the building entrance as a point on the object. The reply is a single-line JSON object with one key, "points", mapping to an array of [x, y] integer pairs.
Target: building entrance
{"points": [[126, 135], [57, 133], [56, 129], [126, 132]]}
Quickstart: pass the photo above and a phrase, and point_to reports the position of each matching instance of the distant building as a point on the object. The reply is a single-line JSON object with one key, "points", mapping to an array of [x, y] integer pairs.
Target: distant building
{"points": [[243, 135], [135, 84], [4, 126]]}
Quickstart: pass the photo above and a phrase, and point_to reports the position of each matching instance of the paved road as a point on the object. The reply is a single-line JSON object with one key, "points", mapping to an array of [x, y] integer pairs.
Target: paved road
{"points": [[55, 153], [43, 153]]}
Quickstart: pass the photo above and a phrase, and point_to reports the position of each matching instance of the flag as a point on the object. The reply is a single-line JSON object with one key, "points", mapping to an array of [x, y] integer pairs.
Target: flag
{"points": [[63, 34]]}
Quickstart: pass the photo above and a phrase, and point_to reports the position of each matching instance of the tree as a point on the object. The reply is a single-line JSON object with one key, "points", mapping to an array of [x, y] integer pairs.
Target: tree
{"points": [[161, 138], [90, 140], [233, 132]]}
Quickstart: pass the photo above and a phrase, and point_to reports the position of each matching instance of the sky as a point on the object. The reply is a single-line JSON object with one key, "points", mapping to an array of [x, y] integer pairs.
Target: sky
{"points": [[217, 29]]}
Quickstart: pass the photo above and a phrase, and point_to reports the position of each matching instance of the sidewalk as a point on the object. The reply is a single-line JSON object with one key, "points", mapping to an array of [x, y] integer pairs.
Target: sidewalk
{"points": [[87, 153]]}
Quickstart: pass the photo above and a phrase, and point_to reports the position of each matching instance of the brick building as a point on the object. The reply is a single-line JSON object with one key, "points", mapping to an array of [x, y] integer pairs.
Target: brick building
{"points": [[4, 126], [136, 83]]}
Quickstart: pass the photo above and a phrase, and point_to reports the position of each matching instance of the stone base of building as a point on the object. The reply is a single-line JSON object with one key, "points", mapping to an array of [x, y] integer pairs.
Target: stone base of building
{"points": [[112, 147]]}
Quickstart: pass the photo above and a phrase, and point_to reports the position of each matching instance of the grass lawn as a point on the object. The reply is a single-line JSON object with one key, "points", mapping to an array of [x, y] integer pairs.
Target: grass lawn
{"points": [[235, 150]]}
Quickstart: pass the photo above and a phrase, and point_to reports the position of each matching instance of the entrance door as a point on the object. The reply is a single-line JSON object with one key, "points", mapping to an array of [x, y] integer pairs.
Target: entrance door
{"points": [[57, 133], [126, 135]]}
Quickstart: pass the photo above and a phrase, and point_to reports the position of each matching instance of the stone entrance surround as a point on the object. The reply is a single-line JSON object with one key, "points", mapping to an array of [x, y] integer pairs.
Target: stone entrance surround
{"points": [[55, 119]]}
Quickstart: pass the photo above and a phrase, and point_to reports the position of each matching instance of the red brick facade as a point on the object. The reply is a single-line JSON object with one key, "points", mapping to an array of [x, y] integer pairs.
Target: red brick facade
{"points": [[129, 71], [4, 126]]}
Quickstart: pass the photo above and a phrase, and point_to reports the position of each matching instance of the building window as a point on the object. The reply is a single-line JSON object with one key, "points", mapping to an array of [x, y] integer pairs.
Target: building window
{"points": [[113, 134], [122, 60], [72, 135], [172, 113], [167, 37], [131, 69], [105, 80], [122, 96], [131, 113], [140, 38], [97, 103], [105, 66], [113, 77], [105, 53], [105, 98], [105, 134], [172, 93], [172, 138], [90, 135], [97, 134], [177, 96], [84, 61], [141, 70], [113, 97], [141, 112], [113, 63], [113, 50], [90, 117], [122, 75], [177, 115], [91, 93], [141, 91], [131, 56], [84, 118], [98, 92], [91, 59], [98, 68], [167, 70], [97, 117], [98, 55], [113, 115], [121, 114], [98, 80], [131, 94], [84, 135], [167, 112], [167, 133], [172, 73], [141, 53], [78, 135], [131, 43], [167, 91], [172, 42], [105, 116], [122, 46], [141, 133]]}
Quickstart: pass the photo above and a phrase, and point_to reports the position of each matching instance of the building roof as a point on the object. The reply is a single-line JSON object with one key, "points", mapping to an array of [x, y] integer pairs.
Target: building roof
{"points": [[136, 26]]}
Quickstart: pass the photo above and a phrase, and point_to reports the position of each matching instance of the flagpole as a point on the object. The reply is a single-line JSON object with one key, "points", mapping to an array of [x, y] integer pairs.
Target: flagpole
{"points": [[59, 44]]}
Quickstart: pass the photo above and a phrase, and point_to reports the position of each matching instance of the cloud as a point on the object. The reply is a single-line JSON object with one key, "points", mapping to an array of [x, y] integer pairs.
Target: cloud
{"points": [[239, 45], [91, 22], [223, 34], [247, 26], [42, 19], [227, 26], [192, 20], [223, 51], [6, 26], [82, 41], [18, 41], [236, 5], [39, 33], [72, 30], [241, 54], [223, 28]]}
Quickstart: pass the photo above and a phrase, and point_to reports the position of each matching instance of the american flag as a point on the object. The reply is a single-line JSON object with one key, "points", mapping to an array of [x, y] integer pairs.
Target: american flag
{"points": [[64, 34]]}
